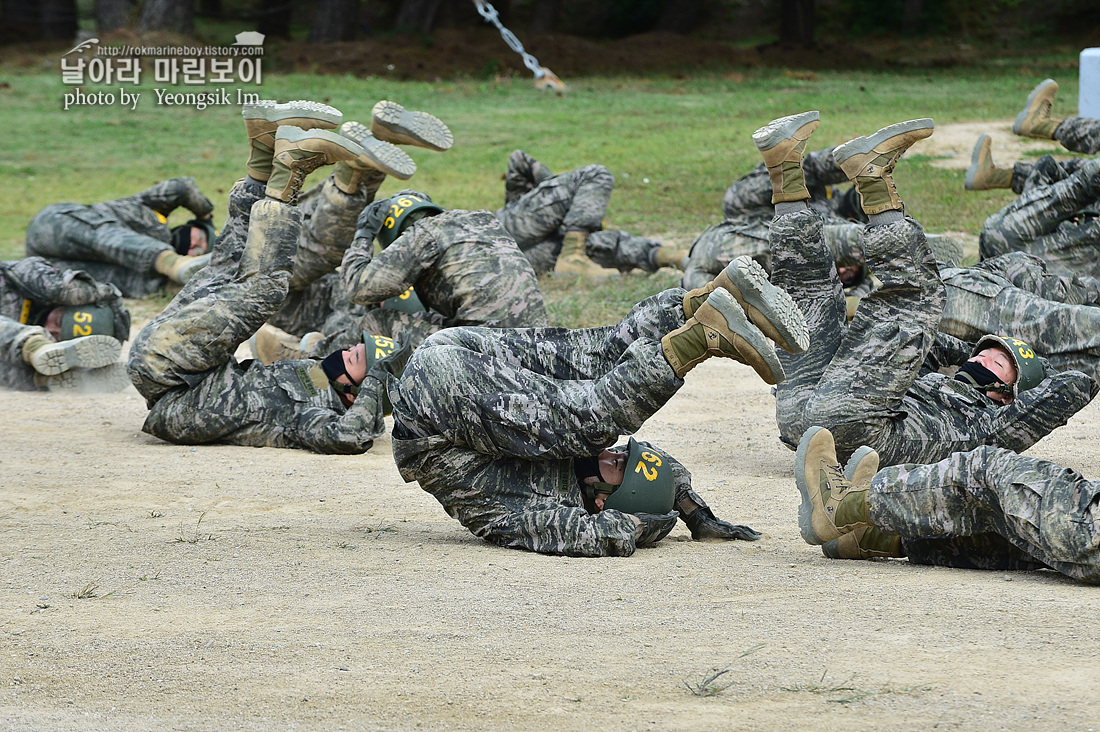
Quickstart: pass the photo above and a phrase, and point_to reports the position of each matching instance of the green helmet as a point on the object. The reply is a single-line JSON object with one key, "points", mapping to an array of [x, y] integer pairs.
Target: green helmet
{"points": [[1029, 369], [86, 320], [406, 302], [648, 485], [404, 209]]}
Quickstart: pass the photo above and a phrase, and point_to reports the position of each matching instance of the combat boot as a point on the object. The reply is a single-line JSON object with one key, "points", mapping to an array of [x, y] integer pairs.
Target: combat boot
{"points": [[983, 175], [179, 267], [719, 327], [1034, 119], [670, 257], [105, 379], [769, 308], [50, 358], [832, 505], [869, 162], [390, 122], [270, 344], [782, 143], [866, 542], [262, 121], [384, 157], [573, 261], [300, 152]]}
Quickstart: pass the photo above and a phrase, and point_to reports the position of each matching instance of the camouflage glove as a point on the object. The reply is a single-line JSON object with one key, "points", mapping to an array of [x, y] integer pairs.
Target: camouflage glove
{"points": [[369, 223], [705, 525], [654, 527], [118, 308], [194, 200]]}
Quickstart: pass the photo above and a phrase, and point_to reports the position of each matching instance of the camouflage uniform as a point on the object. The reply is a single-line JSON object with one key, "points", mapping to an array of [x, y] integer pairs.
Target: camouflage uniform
{"points": [[750, 197], [1014, 294], [993, 509], [489, 421], [862, 381], [182, 361], [1040, 221], [29, 289], [465, 267], [117, 241], [539, 208], [1079, 134]]}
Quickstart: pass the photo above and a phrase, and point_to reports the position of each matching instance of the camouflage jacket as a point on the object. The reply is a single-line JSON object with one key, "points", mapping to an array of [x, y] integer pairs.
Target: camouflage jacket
{"points": [[463, 264], [32, 284]]}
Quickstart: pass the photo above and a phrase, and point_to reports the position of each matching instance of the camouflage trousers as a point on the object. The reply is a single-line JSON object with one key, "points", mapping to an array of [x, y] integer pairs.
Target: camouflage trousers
{"points": [[619, 250], [752, 195], [1013, 294], [538, 220], [506, 411], [1079, 134], [720, 244], [992, 508], [1041, 220], [14, 371], [110, 252], [852, 378], [225, 303], [1021, 172]]}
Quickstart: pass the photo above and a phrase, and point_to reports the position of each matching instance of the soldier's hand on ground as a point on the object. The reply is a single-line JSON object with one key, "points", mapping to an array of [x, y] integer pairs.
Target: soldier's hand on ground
{"points": [[705, 525]]}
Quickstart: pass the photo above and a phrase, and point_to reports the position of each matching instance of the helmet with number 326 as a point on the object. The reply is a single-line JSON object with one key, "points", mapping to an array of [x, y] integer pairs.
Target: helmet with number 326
{"points": [[405, 208]]}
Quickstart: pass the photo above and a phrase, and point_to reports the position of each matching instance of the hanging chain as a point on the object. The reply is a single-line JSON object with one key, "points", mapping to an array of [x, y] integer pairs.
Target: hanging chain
{"points": [[544, 77]]}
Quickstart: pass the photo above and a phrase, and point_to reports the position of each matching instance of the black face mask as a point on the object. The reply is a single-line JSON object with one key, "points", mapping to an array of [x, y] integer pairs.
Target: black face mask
{"points": [[979, 376], [586, 467]]}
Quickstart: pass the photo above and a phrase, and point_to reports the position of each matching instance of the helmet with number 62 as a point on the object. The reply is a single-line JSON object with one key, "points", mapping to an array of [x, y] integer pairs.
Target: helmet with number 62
{"points": [[1029, 368], [648, 485]]}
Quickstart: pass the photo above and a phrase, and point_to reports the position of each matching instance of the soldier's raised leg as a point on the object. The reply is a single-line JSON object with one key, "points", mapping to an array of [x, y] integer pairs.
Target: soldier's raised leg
{"points": [[1079, 134]]}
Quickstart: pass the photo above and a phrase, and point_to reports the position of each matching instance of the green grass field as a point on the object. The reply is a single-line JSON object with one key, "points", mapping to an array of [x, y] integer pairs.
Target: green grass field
{"points": [[674, 145]]}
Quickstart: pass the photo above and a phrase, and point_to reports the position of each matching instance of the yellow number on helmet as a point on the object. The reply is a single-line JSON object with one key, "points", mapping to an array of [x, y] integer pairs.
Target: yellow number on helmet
{"points": [[82, 330], [390, 222], [80, 317], [651, 458], [1026, 353], [406, 202], [648, 472]]}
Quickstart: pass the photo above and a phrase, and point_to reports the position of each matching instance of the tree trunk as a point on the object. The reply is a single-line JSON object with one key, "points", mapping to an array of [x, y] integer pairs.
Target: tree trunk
{"points": [[544, 16], [336, 20], [797, 22], [111, 14], [176, 16], [417, 16], [679, 16], [58, 19], [273, 17]]}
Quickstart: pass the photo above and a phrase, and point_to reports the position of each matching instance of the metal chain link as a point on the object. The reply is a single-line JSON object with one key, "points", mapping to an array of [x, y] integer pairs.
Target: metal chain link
{"points": [[549, 78]]}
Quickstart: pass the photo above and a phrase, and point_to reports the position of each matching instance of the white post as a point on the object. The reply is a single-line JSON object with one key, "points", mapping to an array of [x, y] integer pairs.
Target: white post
{"points": [[1088, 98]]}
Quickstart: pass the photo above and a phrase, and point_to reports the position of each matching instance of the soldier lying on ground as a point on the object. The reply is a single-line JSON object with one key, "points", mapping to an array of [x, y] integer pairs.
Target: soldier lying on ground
{"points": [[557, 221], [988, 508], [330, 209], [59, 329], [182, 361], [510, 429], [463, 265], [864, 381], [127, 242]]}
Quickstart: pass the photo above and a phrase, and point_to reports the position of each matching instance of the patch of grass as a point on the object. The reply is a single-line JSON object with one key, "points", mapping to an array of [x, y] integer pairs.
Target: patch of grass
{"points": [[196, 536], [708, 684], [87, 592], [845, 693]]}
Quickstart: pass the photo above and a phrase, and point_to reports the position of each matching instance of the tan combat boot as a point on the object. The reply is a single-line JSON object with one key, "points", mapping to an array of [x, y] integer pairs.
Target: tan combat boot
{"points": [[720, 328], [300, 152], [573, 261], [983, 175], [390, 122], [1035, 120], [270, 344], [832, 505], [865, 542], [782, 143], [262, 120], [50, 358], [869, 162], [105, 379], [769, 308], [179, 267], [383, 156], [669, 257]]}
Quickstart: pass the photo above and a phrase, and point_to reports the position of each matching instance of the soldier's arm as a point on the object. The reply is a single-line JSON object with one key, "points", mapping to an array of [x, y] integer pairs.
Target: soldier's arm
{"points": [[351, 433], [1039, 411], [42, 282], [371, 278], [166, 196]]}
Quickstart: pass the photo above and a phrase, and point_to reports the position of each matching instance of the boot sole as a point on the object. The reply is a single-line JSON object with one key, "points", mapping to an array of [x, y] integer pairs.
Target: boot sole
{"points": [[103, 380], [865, 145], [274, 112], [1018, 123], [975, 159], [86, 352], [738, 323], [806, 508], [764, 301], [190, 270], [385, 156], [782, 129], [379, 158], [390, 122]]}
